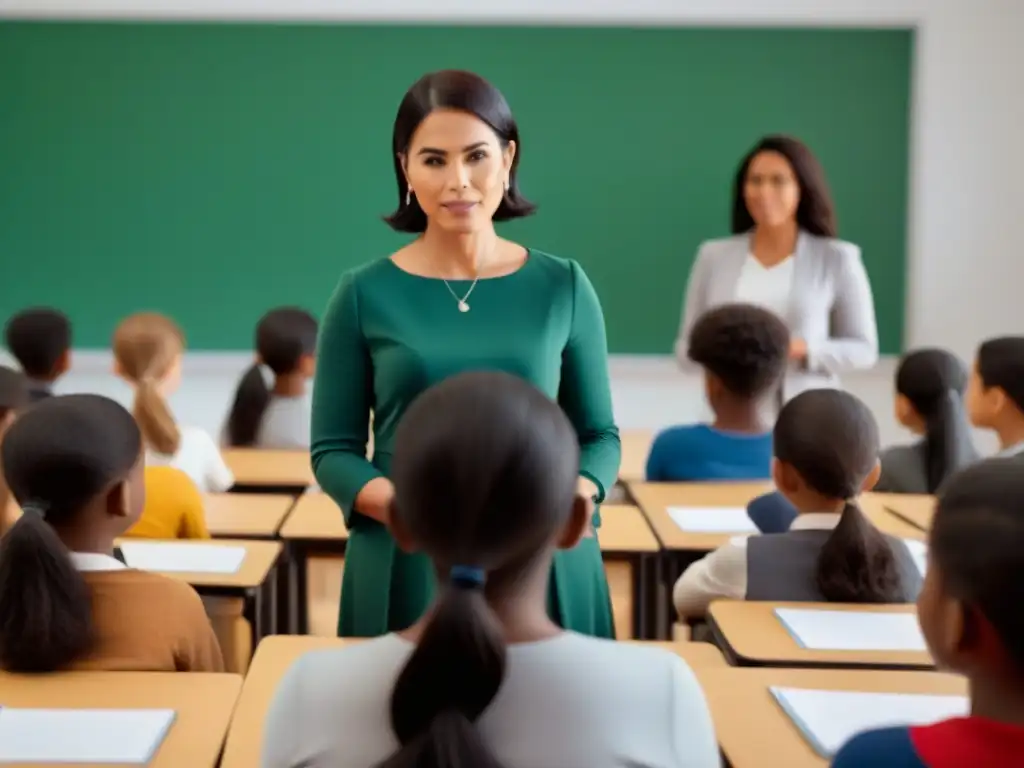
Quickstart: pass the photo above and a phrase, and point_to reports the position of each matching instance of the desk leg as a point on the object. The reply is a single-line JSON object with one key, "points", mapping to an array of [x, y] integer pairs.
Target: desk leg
{"points": [[298, 589]]}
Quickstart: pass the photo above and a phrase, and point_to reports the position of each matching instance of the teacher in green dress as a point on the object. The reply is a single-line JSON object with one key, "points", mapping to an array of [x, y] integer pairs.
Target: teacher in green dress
{"points": [[456, 298]]}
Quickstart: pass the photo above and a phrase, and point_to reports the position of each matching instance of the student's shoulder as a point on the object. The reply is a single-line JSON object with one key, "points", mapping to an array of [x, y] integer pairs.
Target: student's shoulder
{"points": [[196, 438], [366, 667], [153, 588], [629, 664], [882, 748], [681, 435]]}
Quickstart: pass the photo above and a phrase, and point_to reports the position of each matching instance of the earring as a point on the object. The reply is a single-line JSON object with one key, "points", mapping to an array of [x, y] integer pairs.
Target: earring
{"points": [[408, 195], [504, 188]]}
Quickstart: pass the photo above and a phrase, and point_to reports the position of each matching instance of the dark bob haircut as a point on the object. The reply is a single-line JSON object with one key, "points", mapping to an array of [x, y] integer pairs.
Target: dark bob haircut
{"points": [[466, 92], [815, 212]]}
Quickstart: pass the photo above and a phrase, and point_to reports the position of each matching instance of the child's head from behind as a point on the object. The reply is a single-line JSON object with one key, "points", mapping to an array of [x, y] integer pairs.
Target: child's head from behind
{"points": [[995, 395], [826, 453], [147, 354], [286, 344], [74, 465], [927, 380], [485, 473], [40, 340], [743, 350], [970, 604]]}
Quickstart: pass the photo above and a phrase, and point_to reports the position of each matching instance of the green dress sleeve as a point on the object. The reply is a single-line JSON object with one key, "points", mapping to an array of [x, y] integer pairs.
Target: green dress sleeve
{"points": [[342, 399], [585, 390]]}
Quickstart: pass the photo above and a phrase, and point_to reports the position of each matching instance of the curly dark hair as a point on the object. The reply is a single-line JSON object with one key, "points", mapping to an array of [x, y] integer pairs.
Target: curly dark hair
{"points": [[743, 345]]}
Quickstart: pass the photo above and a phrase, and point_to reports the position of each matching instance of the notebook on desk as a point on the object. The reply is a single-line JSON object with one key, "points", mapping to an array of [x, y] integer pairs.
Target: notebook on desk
{"points": [[712, 519], [828, 719], [82, 736], [824, 630]]}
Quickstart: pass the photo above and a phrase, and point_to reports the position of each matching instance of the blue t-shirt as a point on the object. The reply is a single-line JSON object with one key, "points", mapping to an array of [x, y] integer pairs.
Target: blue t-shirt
{"points": [[699, 453]]}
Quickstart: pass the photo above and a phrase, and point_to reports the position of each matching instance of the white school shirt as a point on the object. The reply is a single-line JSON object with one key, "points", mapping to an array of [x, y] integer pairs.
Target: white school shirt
{"points": [[722, 574], [1011, 450], [198, 457], [567, 702], [767, 287], [91, 562]]}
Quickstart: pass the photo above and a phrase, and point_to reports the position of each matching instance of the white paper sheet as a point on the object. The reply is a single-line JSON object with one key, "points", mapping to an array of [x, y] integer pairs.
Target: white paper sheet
{"points": [[918, 551], [175, 557], [823, 630], [712, 519], [106, 736], [828, 719]]}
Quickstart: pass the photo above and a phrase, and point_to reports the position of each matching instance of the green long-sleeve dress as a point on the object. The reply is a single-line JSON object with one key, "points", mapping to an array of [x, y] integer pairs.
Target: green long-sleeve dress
{"points": [[386, 336]]}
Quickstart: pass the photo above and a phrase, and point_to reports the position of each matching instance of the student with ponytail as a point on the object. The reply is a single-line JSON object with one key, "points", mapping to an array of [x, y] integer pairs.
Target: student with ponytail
{"points": [[74, 464], [826, 454], [485, 472], [276, 414], [148, 348], [930, 386]]}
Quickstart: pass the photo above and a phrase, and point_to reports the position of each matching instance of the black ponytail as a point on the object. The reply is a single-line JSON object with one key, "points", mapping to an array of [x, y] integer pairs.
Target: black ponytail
{"points": [[947, 440], [45, 608], [857, 563], [450, 679], [251, 400], [934, 380]]}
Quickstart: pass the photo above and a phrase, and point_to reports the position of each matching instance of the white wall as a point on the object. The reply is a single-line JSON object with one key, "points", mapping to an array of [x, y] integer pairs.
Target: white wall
{"points": [[966, 258]]}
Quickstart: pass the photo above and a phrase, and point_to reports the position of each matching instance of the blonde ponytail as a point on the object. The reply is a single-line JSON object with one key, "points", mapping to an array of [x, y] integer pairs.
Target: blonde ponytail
{"points": [[156, 422]]}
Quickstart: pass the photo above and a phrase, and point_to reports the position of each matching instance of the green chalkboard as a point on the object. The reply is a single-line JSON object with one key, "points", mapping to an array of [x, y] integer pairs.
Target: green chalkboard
{"points": [[211, 171]]}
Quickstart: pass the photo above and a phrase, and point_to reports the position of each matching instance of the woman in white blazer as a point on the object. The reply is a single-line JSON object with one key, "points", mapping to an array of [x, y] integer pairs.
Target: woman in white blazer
{"points": [[784, 256]]}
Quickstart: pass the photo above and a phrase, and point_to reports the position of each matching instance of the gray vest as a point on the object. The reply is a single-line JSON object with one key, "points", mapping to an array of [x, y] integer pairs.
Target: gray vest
{"points": [[782, 566]]}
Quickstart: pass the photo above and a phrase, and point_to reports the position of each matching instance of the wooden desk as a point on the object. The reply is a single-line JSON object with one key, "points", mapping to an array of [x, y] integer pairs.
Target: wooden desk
{"points": [[636, 444], [260, 470], [916, 509], [254, 581], [751, 635], [884, 520], [203, 703], [630, 548], [246, 515], [754, 732], [276, 655], [655, 499]]}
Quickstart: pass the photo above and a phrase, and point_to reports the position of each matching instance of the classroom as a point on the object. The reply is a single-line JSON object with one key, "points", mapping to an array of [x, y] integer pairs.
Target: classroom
{"points": [[198, 201]]}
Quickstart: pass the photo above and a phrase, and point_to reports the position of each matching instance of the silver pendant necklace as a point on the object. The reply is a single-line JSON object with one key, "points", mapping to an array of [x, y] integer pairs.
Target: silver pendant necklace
{"points": [[463, 303]]}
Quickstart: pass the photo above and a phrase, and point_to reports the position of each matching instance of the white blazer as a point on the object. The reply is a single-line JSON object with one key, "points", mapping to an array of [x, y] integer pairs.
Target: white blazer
{"points": [[831, 306]]}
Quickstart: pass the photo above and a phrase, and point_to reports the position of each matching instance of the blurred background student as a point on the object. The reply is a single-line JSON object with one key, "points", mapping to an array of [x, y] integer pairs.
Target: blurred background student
{"points": [[276, 414], [40, 340]]}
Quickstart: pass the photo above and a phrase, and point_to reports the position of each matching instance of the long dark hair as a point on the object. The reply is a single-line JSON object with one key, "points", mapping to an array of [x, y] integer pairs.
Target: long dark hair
{"points": [[977, 542], [485, 473], [283, 337], [57, 457], [934, 380], [467, 92], [815, 212], [831, 439]]}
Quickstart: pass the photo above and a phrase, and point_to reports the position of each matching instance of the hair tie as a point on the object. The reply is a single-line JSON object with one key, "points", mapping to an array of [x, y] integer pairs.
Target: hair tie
{"points": [[34, 508], [467, 576]]}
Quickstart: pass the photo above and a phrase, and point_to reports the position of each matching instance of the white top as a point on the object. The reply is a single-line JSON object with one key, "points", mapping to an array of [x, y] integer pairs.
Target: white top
{"points": [[286, 423], [1011, 450], [90, 562], [722, 574], [767, 287], [568, 702], [198, 457]]}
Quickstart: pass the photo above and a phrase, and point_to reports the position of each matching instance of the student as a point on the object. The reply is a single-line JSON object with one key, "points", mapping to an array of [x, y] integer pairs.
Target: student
{"points": [[278, 418], [485, 472], [930, 386], [14, 395], [40, 340], [743, 350], [174, 507], [74, 464], [147, 354], [826, 453], [969, 610], [995, 394]]}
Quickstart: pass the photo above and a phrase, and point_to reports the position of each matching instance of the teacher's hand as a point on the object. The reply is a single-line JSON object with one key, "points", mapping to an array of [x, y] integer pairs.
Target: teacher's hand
{"points": [[586, 488], [797, 349]]}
